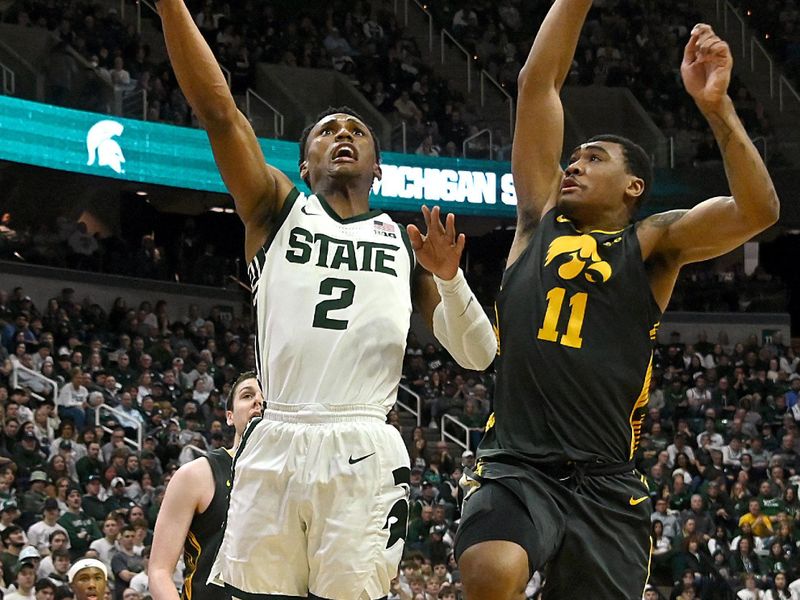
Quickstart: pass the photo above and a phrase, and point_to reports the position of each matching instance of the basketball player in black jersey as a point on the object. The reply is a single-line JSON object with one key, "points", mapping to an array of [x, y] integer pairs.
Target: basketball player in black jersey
{"points": [[580, 303], [195, 507]]}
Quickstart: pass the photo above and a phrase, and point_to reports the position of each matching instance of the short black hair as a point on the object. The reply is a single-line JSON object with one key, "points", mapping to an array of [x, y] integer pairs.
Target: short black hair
{"points": [[637, 162], [45, 583], [239, 381], [336, 110]]}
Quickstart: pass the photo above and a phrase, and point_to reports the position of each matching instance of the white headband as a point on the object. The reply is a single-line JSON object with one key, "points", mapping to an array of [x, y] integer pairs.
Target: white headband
{"points": [[85, 563]]}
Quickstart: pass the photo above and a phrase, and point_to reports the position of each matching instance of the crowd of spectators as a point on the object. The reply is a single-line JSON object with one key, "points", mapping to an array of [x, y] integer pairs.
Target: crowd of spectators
{"points": [[778, 22], [719, 448], [703, 289], [362, 40], [625, 43], [184, 257], [187, 259], [632, 44], [70, 488], [720, 445]]}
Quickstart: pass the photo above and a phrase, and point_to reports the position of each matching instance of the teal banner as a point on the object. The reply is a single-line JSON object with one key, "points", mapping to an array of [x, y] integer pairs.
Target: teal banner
{"points": [[95, 144]]}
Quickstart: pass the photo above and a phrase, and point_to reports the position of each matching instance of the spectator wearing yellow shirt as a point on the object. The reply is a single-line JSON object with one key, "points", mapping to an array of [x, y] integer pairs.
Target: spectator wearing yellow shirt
{"points": [[761, 524]]}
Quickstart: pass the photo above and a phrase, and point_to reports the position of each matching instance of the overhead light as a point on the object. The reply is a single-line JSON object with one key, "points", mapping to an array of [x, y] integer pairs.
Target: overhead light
{"points": [[141, 193], [219, 209]]}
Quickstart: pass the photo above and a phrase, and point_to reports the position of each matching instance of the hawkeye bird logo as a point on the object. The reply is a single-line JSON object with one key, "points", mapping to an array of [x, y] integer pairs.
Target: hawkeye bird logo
{"points": [[102, 148], [583, 255]]}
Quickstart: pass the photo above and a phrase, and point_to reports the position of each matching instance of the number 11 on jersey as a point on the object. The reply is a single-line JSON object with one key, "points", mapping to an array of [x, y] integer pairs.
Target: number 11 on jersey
{"points": [[555, 301]]}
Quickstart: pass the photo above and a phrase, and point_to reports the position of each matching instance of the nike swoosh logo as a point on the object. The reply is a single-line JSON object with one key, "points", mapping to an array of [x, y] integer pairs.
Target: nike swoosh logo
{"points": [[305, 212], [353, 461], [634, 501]]}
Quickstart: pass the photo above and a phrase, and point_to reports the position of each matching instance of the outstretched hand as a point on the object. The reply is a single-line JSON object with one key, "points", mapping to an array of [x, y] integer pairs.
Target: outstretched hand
{"points": [[707, 65], [439, 249]]}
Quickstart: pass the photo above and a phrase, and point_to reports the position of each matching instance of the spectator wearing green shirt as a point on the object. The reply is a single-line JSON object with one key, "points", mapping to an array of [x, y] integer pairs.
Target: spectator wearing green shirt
{"points": [[13, 539], [91, 464], [771, 503], [81, 528]]}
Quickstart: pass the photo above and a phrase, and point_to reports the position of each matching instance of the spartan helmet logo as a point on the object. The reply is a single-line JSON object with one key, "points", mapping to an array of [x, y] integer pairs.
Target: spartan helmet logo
{"points": [[582, 251], [102, 148]]}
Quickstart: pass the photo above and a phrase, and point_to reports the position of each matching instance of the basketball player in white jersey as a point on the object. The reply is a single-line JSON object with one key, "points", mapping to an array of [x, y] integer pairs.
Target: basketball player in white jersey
{"points": [[319, 500], [195, 506]]}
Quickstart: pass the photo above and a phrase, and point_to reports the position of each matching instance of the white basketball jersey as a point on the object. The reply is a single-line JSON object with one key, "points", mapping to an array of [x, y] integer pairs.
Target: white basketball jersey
{"points": [[332, 300]]}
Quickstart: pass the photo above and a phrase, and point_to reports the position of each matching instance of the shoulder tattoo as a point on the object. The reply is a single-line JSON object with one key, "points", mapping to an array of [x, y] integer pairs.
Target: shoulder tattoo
{"points": [[665, 219]]}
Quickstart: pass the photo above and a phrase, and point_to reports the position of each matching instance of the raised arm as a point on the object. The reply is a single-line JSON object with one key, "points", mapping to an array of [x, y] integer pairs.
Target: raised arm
{"points": [[189, 490], [539, 131], [443, 297], [257, 189], [718, 225]]}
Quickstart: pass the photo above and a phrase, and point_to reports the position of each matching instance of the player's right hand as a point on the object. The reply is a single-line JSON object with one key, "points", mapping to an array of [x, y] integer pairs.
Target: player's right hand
{"points": [[707, 65], [439, 249]]}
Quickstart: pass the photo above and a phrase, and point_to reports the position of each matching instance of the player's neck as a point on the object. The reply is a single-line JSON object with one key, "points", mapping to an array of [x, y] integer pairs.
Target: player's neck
{"points": [[598, 221], [348, 200]]}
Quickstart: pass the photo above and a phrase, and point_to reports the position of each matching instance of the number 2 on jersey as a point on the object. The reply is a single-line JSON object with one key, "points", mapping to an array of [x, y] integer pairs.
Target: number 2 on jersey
{"points": [[555, 301], [326, 288]]}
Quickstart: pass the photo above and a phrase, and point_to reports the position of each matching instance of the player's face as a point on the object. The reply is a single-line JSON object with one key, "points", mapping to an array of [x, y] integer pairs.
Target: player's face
{"points": [[340, 147], [596, 179], [89, 584], [247, 403]]}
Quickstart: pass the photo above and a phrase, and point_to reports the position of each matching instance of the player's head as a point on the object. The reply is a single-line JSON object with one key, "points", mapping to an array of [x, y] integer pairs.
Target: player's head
{"points": [[339, 145], [88, 578], [244, 401], [606, 170]]}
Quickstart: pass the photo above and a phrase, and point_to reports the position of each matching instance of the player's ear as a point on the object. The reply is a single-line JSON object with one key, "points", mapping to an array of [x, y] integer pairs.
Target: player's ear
{"points": [[229, 417], [377, 173], [635, 187], [304, 170]]}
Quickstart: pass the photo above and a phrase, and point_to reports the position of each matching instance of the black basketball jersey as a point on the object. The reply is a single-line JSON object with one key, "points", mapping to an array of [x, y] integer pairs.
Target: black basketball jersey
{"points": [[577, 324], [205, 534]]}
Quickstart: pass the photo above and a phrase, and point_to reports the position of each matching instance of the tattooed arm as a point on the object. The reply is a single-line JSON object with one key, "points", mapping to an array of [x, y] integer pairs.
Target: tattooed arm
{"points": [[718, 225]]}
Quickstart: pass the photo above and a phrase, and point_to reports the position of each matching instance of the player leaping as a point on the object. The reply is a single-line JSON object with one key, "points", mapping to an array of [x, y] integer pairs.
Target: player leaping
{"points": [[555, 485], [319, 500]]}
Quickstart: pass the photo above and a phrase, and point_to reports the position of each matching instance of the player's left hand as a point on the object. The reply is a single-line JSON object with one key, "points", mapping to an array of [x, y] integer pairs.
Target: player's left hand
{"points": [[439, 249], [707, 65]]}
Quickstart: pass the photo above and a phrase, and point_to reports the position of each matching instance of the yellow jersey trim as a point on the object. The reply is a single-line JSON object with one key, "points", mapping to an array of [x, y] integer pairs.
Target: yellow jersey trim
{"points": [[563, 219], [191, 565], [641, 402]]}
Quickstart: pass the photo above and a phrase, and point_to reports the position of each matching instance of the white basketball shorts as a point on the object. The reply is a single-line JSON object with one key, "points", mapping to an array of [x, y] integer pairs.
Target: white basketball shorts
{"points": [[319, 504]]}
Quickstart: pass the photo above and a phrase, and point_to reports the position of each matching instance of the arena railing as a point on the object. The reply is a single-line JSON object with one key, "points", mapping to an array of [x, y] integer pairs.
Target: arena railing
{"points": [[133, 104], [36, 375], [416, 412], [402, 129], [481, 133], [484, 75], [466, 431], [509, 99], [251, 97], [729, 17], [9, 80], [121, 417]]}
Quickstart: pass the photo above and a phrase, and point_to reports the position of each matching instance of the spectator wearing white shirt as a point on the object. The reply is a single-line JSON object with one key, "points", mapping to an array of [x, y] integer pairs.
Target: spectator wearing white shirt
{"points": [[58, 540], [39, 533], [140, 582], [679, 445], [72, 398], [732, 453], [715, 439], [106, 546]]}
